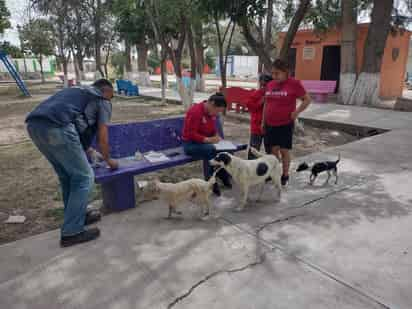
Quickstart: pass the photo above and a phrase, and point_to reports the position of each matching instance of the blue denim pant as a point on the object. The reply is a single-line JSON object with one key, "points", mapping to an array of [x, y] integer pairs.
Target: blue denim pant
{"points": [[201, 151], [62, 148]]}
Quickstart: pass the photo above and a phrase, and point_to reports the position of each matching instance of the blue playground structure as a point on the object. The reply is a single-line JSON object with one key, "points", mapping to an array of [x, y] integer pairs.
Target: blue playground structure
{"points": [[14, 73]]}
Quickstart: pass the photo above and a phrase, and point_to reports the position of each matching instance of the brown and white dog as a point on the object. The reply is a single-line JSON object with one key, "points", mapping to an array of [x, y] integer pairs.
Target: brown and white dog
{"points": [[194, 190], [247, 173]]}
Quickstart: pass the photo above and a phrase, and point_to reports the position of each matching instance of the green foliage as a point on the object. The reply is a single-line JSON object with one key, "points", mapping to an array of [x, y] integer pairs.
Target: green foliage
{"points": [[4, 16], [13, 51], [153, 61], [132, 23], [118, 61], [210, 59], [37, 37], [324, 14]]}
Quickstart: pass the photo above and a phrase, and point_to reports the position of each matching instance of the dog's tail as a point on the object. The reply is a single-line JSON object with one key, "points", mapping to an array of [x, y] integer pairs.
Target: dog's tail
{"points": [[338, 160]]}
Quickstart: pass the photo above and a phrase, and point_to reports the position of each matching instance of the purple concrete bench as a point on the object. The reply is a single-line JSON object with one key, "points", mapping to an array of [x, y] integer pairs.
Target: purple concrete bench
{"points": [[319, 89], [125, 139]]}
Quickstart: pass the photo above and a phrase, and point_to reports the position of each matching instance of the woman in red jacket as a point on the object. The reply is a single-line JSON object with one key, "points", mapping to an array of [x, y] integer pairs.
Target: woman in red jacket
{"points": [[255, 107], [280, 112], [200, 133]]}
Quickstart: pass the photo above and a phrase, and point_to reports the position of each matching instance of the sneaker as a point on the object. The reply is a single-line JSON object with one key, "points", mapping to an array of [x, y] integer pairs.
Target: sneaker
{"points": [[85, 236], [216, 189], [284, 180], [92, 217]]}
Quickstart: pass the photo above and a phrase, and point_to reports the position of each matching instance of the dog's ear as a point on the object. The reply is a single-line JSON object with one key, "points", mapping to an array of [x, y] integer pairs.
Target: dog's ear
{"points": [[302, 167], [225, 158]]}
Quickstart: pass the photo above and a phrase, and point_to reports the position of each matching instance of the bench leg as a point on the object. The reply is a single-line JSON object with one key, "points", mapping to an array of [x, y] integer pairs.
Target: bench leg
{"points": [[119, 194]]}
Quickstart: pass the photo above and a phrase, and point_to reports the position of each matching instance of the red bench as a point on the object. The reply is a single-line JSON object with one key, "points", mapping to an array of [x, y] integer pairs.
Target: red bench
{"points": [[319, 89], [237, 98]]}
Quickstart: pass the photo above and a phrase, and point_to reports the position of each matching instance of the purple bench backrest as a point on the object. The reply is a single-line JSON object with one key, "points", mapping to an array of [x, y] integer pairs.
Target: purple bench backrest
{"points": [[156, 135]]}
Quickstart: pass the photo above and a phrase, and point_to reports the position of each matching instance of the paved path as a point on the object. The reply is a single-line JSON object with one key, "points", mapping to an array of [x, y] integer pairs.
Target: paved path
{"points": [[327, 246]]}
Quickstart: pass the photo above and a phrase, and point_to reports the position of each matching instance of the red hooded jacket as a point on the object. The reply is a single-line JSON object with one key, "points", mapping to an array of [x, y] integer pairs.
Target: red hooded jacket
{"points": [[255, 106]]}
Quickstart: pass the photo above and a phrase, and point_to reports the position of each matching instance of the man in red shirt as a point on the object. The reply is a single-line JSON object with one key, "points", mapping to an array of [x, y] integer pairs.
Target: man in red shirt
{"points": [[255, 107], [200, 133], [280, 112]]}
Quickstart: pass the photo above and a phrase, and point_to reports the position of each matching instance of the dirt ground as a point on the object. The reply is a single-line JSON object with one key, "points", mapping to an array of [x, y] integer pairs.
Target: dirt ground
{"points": [[29, 186]]}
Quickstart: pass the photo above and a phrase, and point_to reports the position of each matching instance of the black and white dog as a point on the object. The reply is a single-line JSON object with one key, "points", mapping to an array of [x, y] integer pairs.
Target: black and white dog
{"points": [[320, 167], [247, 173]]}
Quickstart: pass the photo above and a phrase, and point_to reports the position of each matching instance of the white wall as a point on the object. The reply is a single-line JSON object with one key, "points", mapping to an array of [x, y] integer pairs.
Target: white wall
{"points": [[245, 66]]}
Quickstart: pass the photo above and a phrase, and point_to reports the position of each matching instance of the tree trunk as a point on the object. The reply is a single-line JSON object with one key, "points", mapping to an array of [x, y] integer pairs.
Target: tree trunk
{"points": [[65, 72], [257, 46], [142, 66], [348, 70], [163, 72], [77, 71], [106, 63], [97, 39], [43, 80], [293, 28], [366, 91], [79, 58], [268, 32], [128, 50], [193, 66], [223, 54], [200, 57]]}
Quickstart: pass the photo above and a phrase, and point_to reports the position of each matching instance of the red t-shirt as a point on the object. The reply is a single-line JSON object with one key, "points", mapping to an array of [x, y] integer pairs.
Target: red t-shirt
{"points": [[281, 101], [198, 124], [255, 107]]}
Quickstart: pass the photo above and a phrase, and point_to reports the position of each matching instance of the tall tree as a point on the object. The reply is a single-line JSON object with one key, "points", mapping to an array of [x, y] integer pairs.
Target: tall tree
{"points": [[223, 15], [367, 87], [58, 12], [348, 74], [257, 25], [4, 17], [171, 22], [79, 32], [37, 38], [134, 28], [293, 28]]}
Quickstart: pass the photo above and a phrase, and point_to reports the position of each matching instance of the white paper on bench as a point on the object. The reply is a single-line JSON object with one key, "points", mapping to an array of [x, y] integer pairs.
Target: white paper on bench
{"points": [[154, 157], [225, 145]]}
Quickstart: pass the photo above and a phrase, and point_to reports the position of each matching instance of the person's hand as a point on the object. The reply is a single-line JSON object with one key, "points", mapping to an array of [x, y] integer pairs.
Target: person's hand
{"points": [[113, 164], [213, 140], [294, 115], [95, 156], [263, 128]]}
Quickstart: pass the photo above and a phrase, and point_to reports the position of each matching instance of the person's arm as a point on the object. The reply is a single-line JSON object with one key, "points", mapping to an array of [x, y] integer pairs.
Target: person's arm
{"points": [[255, 102], [103, 141], [192, 124], [306, 100], [103, 119]]}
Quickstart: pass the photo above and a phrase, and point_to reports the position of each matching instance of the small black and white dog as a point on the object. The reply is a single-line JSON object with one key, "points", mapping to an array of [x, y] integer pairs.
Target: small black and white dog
{"points": [[320, 167]]}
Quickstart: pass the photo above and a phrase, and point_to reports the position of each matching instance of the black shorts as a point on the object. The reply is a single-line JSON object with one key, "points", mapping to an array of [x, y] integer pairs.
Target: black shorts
{"points": [[281, 136]]}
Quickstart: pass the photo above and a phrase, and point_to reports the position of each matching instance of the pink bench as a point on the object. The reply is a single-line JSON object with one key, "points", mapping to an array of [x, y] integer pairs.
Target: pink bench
{"points": [[319, 89]]}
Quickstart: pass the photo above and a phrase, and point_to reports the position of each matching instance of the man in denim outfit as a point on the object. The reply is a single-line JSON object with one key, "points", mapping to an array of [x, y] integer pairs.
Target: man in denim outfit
{"points": [[63, 127]]}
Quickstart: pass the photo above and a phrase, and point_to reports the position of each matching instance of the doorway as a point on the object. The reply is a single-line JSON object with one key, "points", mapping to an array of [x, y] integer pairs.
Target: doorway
{"points": [[331, 64]]}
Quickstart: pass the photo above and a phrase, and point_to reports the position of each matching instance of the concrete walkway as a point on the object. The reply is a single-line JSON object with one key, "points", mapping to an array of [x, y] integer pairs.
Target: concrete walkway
{"points": [[326, 246]]}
